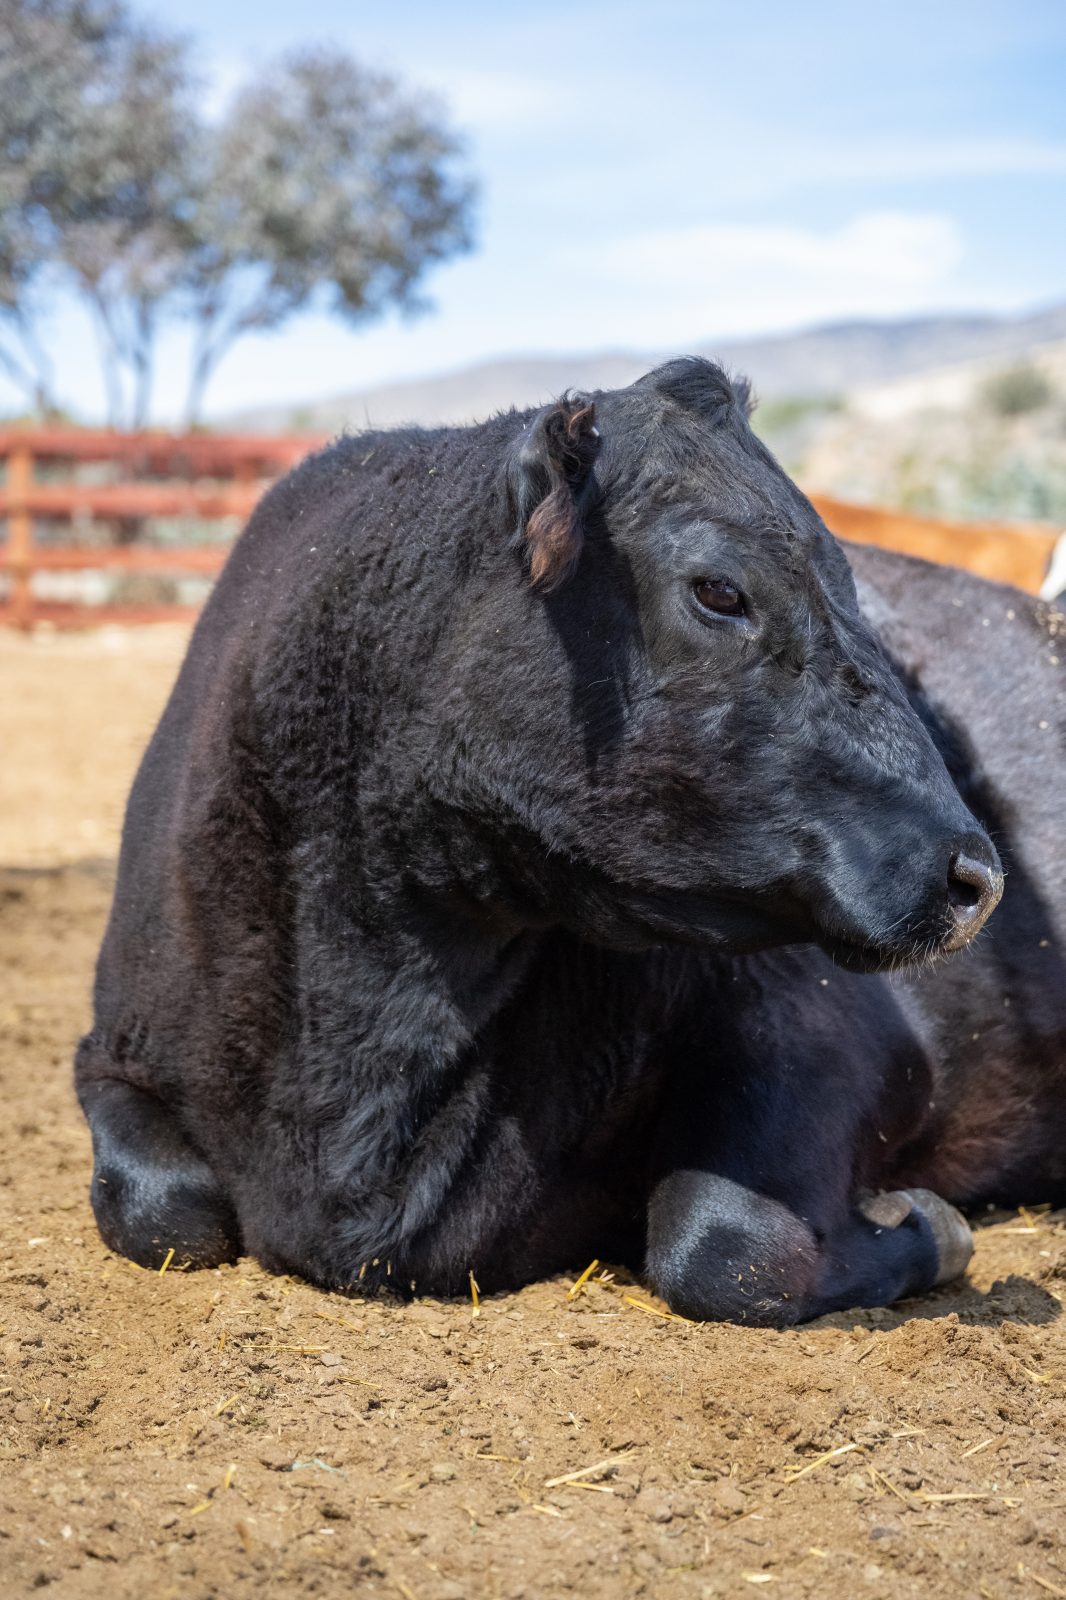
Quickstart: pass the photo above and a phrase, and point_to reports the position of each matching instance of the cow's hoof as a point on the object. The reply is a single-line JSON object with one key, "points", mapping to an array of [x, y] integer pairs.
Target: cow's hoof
{"points": [[951, 1231]]}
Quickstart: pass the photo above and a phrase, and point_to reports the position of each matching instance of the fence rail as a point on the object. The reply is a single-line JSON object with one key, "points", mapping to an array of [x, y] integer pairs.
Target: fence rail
{"points": [[193, 477], [217, 477]]}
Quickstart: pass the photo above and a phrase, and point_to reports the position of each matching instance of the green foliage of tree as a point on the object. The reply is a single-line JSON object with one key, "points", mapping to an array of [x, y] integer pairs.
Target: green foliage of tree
{"points": [[324, 184]]}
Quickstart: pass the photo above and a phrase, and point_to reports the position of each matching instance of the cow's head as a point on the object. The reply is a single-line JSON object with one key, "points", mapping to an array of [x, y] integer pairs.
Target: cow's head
{"points": [[678, 699]]}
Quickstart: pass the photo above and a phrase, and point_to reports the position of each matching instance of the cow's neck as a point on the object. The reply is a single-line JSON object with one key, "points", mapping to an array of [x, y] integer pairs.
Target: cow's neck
{"points": [[411, 977]]}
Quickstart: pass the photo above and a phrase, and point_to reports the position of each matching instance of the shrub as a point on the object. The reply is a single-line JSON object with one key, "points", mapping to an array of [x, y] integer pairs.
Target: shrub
{"points": [[1017, 390]]}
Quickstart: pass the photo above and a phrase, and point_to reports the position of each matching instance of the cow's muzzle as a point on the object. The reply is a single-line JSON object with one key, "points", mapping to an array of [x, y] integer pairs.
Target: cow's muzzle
{"points": [[975, 887]]}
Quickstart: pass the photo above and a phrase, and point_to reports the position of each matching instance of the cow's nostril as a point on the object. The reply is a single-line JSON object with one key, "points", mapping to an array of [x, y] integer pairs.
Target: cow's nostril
{"points": [[961, 893], [974, 890]]}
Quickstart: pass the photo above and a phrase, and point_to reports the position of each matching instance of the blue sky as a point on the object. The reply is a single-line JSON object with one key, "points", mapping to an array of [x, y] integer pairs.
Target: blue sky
{"points": [[659, 176]]}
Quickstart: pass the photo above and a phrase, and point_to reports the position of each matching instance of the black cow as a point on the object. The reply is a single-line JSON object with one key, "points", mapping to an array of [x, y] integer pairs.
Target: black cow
{"points": [[494, 753]]}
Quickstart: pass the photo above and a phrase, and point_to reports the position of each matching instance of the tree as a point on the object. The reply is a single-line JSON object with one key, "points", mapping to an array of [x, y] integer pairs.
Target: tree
{"points": [[122, 229], [48, 58], [326, 183], [95, 145], [22, 357]]}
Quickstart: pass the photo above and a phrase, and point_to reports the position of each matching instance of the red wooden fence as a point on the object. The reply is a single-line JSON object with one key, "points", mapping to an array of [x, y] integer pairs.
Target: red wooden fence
{"points": [[196, 476], [211, 476]]}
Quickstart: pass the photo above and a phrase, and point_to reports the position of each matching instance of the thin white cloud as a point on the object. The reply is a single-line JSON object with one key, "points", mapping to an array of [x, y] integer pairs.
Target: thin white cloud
{"points": [[904, 159], [717, 278]]}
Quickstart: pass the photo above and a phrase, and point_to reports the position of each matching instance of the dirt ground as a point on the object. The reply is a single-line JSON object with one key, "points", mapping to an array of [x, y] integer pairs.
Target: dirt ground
{"points": [[226, 1433]]}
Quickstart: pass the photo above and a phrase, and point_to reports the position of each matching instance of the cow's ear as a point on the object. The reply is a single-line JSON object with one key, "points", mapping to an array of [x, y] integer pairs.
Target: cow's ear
{"points": [[744, 394], [553, 486]]}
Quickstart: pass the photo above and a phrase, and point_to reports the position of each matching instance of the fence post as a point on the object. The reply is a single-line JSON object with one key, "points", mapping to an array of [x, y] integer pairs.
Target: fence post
{"points": [[20, 534]]}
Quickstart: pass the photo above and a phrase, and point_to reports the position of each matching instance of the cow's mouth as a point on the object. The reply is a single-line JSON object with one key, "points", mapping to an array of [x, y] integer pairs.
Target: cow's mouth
{"points": [[870, 958], [950, 916], [907, 955]]}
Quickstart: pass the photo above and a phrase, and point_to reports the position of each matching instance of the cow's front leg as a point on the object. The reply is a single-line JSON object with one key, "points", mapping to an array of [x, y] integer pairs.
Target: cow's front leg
{"points": [[789, 1097], [154, 1196], [721, 1251]]}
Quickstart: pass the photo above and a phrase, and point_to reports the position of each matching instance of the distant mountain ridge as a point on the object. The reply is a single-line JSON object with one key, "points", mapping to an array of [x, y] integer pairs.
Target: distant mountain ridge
{"points": [[825, 360]]}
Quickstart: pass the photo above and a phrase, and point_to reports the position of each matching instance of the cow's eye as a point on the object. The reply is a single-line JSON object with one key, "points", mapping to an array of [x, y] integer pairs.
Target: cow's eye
{"points": [[718, 594]]}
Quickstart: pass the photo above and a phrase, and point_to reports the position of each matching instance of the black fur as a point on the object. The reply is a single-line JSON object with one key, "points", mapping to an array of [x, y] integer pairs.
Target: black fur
{"points": [[427, 945]]}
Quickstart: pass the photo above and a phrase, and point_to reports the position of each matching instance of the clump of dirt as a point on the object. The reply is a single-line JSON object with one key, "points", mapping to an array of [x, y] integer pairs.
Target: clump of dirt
{"points": [[227, 1433]]}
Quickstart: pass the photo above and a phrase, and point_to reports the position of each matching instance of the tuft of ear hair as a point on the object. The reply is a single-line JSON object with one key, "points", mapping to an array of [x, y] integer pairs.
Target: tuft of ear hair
{"points": [[555, 479], [744, 394]]}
